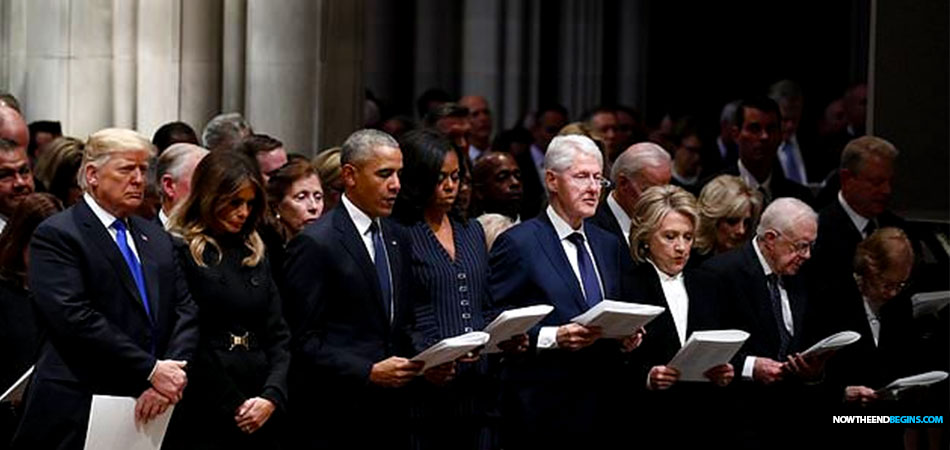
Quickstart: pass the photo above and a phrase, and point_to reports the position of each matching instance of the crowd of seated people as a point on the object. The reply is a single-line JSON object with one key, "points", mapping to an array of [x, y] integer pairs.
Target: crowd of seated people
{"points": [[277, 301]]}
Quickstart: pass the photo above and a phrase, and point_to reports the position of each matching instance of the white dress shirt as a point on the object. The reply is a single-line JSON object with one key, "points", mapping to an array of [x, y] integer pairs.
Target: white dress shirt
{"points": [[749, 366], [474, 152], [3, 222], [163, 218], [107, 220], [547, 337], [622, 218], [858, 220], [874, 321], [674, 290], [362, 223]]}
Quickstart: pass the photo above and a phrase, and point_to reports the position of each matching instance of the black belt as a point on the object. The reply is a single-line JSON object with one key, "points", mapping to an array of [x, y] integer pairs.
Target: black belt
{"points": [[230, 341]]}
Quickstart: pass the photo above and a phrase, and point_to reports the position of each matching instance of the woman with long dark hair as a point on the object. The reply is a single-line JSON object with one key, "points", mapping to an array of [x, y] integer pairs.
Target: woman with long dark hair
{"points": [[19, 334], [239, 378], [450, 263]]}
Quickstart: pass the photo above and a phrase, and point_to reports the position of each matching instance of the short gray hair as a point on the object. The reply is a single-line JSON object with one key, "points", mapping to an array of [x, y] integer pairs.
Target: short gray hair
{"points": [[563, 149], [639, 156], [172, 160], [103, 144], [783, 213], [225, 129], [728, 114], [359, 145], [857, 152]]}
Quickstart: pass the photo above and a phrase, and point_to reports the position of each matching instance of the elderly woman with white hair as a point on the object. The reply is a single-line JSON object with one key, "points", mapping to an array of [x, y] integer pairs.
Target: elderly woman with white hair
{"points": [[664, 226], [567, 389]]}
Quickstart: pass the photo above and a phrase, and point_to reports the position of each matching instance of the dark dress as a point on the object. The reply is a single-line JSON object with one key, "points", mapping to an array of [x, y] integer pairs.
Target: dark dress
{"points": [[460, 414], [19, 341], [232, 299]]}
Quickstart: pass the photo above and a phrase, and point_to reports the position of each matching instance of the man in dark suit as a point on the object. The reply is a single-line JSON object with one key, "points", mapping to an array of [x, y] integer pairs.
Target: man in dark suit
{"points": [[762, 295], [548, 121], [173, 176], [114, 304], [758, 133], [637, 169], [350, 307], [867, 171], [567, 390]]}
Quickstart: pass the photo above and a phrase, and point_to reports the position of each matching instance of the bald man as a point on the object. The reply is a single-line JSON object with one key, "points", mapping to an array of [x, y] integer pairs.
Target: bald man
{"points": [[16, 177], [479, 116], [497, 186]]}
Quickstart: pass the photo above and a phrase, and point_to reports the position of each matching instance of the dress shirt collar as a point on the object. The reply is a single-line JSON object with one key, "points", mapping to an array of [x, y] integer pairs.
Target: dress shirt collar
{"points": [[537, 155], [758, 253], [622, 218], [163, 218], [664, 277], [858, 220], [360, 219], [104, 216], [561, 227], [751, 180], [723, 150]]}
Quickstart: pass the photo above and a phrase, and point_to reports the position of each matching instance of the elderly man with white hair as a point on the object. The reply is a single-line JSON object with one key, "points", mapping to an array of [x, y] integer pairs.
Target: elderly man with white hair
{"points": [[176, 165], [638, 168], [107, 289], [568, 390], [764, 295]]}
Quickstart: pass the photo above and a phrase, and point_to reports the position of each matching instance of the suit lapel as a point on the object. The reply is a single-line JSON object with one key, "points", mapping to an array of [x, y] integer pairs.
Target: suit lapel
{"points": [[551, 245], [149, 266], [93, 229], [760, 294], [353, 244]]}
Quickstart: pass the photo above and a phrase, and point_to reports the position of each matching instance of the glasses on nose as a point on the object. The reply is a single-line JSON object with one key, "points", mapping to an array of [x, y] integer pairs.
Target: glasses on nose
{"points": [[583, 179], [803, 248]]}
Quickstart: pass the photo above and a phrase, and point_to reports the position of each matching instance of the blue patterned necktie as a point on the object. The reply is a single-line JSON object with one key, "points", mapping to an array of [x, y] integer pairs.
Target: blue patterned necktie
{"points": [[592, 292], [382, 268], [134, 266]]}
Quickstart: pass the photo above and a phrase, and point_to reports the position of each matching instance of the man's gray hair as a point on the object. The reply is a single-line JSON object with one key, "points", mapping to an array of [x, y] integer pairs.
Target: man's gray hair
{"points": [[857, 152], [224, 129], [563, 149], [637, 157], [783, 213], [359, 145], [785, 90], [172, 160], [728, 114]]}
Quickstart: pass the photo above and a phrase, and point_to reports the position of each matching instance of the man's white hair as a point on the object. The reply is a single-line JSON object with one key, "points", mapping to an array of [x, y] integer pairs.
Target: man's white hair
{"points": [[783, 213], [639, 156], [563, 149]]}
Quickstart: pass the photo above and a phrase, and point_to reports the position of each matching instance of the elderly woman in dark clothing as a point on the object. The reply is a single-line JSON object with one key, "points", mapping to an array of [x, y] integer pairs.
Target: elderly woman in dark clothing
{"points": [[19, 335], [238, 386], [450, 264]]}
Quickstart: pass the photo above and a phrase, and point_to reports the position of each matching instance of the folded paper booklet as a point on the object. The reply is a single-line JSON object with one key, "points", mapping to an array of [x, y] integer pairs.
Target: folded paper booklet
{"points": [[112, 426], [929, 302], [833, 342], [451, 349], [15, 393], [704, 350], [618, 319], [892, 391], [514, 322]]}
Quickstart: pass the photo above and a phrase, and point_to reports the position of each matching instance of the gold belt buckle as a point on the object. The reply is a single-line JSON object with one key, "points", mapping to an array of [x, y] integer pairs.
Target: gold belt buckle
{"points": [[240, 341]]}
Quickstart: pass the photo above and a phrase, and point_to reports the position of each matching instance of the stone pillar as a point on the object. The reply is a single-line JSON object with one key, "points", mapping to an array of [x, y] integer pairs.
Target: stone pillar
{"points": [[340, 97], [90, 93], [581, 58], [233, 48], [437, 46], [46, 93], [481, 43], [281, 64], [631, 54], [158, 64], [124, 51], [200, 82]]}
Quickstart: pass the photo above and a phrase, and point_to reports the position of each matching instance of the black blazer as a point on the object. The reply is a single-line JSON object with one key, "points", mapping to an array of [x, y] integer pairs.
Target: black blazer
{"points": [[747, 305], [556, 396], [333, 304], [604, 218], [99, 338], [534, 197], [779, 186]]}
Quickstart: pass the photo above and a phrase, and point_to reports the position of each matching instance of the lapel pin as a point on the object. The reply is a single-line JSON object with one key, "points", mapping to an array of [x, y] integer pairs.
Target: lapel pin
{"points": [[144, 238], [394, 243]]}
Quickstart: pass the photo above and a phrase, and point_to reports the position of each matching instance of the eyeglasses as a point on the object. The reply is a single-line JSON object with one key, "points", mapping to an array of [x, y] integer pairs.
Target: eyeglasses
{"points": [[584, 179], [801, 247]]}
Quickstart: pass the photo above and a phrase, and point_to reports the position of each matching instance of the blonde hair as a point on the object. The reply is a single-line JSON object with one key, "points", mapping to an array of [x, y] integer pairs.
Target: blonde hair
{"points": [[327, 164], [653, 206], [494, 225], [723, 197], [102, 144]]}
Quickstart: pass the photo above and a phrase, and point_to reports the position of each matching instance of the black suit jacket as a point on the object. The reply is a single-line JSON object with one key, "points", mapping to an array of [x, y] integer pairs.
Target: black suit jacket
{"points": [[556, 396], [779, 186], [99, 338], [534, 197], [333, 303], [604, 218]]}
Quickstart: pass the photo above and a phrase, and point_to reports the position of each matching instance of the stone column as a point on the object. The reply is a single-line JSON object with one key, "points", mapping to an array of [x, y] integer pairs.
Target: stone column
{"points": [[200, 81], [124, 51], [581, 59], [158, 64], [481, 43], [233, 48], [340, 97]]}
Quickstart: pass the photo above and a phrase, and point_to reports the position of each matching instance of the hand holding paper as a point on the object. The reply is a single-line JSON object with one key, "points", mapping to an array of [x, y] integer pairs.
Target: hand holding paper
{"points": [[514, 323], [394, 372], [150, 405], [448, 350], [833, 342], [112, 424], [706, 350], [575, 337], [618, 319]]}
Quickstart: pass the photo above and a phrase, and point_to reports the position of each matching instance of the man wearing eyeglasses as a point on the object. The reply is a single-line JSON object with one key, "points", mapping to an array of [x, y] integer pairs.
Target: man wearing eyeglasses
{"points": [[765, 296], [16, 177], [567, 391]]}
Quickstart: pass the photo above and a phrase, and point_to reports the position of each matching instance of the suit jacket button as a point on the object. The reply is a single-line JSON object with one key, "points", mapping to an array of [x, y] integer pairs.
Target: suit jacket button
{"points": [[255, 281]]}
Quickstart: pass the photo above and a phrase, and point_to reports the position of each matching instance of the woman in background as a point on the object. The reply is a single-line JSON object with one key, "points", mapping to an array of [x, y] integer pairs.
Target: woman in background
{"points": [[728, 213]]}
